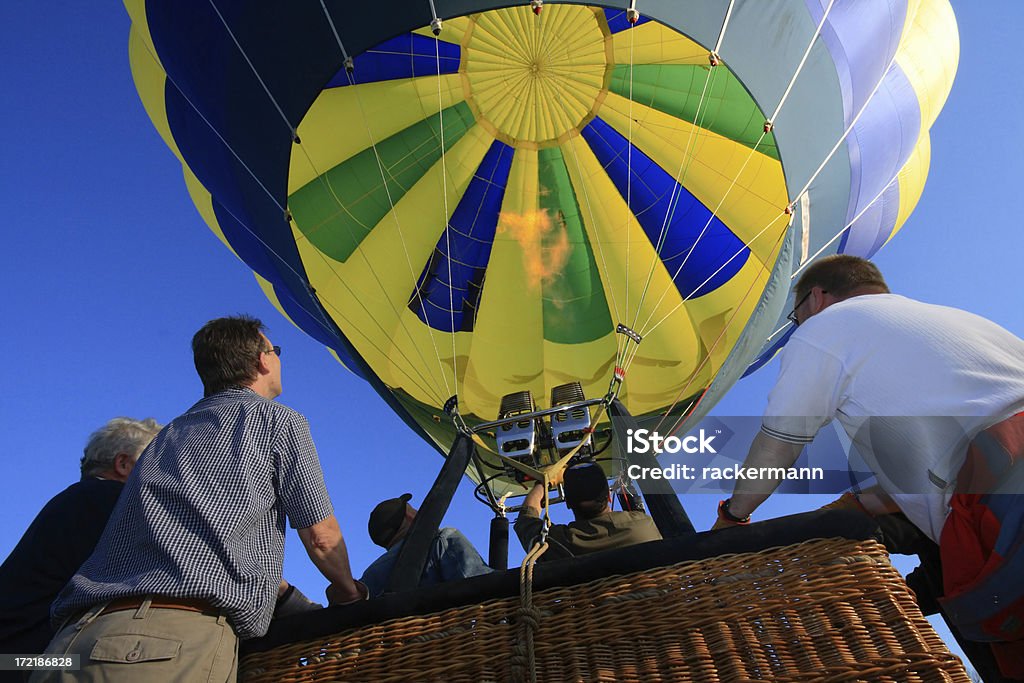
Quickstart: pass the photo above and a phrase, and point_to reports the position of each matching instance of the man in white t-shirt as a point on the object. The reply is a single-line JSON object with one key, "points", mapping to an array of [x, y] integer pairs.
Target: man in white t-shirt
{"points": [[917, 388]]}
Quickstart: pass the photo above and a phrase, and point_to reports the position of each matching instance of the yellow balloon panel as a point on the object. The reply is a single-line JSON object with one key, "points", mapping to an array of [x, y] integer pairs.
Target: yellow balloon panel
{"points": [[346, 121], [654, 43], [911, 179], [928, 54]]}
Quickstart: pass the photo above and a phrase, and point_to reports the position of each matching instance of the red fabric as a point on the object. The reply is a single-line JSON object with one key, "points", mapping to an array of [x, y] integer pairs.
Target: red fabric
{"points": [[969, 537], [967, 543], [1010, 657], [966, 547]]}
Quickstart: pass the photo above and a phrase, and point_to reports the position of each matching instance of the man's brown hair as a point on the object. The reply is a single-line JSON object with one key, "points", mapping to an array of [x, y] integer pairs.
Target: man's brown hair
{"points": [[841, 275], [227, 351]]}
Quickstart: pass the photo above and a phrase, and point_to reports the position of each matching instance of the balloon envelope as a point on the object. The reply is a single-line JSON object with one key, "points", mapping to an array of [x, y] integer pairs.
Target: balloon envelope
{"points": [[472, 214]]}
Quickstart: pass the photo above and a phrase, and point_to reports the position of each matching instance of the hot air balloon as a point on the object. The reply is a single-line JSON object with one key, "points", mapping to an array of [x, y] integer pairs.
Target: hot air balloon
{"points": [[474, 213], [495, 209], [482, 209]]}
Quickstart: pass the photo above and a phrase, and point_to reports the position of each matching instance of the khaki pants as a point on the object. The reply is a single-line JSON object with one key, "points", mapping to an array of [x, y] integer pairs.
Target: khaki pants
{"points": [[147, 644]]}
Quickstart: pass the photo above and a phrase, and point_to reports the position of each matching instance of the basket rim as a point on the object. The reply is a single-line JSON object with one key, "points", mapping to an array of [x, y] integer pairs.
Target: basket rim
{"points": [[758, 537]]}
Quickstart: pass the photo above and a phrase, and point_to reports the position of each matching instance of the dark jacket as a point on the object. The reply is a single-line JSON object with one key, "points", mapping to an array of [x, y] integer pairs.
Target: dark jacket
{"points": [[610, 529]]}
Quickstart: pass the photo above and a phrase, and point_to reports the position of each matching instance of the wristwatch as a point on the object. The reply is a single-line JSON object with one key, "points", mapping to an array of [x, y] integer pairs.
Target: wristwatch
{"points": [[723, 512]]}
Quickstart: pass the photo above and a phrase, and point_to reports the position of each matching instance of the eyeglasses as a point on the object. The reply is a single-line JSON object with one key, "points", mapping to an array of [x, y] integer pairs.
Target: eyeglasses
{"points": [[275, 349], [792, 314]]}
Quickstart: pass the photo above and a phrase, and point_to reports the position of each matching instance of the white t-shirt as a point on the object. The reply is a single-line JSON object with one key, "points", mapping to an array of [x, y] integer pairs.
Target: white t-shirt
{"points": [[910, 382]]}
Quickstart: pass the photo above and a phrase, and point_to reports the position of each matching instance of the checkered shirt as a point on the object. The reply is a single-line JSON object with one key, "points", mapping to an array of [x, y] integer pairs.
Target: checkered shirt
{"points": [[203, 513]]}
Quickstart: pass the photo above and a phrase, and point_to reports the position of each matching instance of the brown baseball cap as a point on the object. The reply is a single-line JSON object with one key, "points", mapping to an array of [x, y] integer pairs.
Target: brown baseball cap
{"points": [[386, 519]]}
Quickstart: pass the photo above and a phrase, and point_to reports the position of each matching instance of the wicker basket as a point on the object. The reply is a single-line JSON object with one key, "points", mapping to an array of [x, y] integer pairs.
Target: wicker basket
{"points": [[822, 610]]}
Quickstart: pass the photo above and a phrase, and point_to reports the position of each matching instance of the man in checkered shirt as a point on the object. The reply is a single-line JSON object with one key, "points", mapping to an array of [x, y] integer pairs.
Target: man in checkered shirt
{"points": [[191, 558]]}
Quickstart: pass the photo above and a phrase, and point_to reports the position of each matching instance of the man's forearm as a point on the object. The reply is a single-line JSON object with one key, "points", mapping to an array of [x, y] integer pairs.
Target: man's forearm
{"points": [[877, 502], [527, 528], [326, 548], [534, 497], [528, 525], [765, 451]]}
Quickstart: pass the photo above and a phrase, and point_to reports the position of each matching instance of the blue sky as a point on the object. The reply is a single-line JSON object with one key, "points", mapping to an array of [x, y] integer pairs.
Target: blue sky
{"points": [[109, 269]]}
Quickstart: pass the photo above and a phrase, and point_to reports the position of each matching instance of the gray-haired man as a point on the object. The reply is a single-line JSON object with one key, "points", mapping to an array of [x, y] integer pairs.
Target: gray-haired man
{"points": [[64, 534]]}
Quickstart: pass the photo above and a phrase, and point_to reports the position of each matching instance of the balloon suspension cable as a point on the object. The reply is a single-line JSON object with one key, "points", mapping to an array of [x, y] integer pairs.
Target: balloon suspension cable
{"points": [[349, 66], [849, 225], [685, 161], [769, 124], [629, 186], [714, 56], [707, 358], [346, 59], [839, 143], [736, 309], [718, 340], [252, 67], [414, 371], [619, 374], [742, 249], [842, 231], [646, 328], [316, 314], [789, 208], [435, 27]]}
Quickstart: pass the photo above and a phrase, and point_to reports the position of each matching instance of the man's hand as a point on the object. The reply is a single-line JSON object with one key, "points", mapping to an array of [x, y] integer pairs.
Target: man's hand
{"points": [[292, 601], [847, 501], [765, 451], [557, 477], [341, 594], [721, 523]]}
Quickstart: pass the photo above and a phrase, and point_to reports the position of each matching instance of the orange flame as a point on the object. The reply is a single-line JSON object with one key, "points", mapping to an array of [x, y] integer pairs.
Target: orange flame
{"points": [[545, 244]]}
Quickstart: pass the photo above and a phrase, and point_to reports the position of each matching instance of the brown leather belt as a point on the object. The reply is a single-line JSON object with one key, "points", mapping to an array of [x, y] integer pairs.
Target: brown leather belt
{"points": [[162, 602]]}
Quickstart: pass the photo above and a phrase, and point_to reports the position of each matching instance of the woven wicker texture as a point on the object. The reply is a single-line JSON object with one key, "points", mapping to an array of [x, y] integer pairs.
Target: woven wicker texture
{"points": [[824, 610]]}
